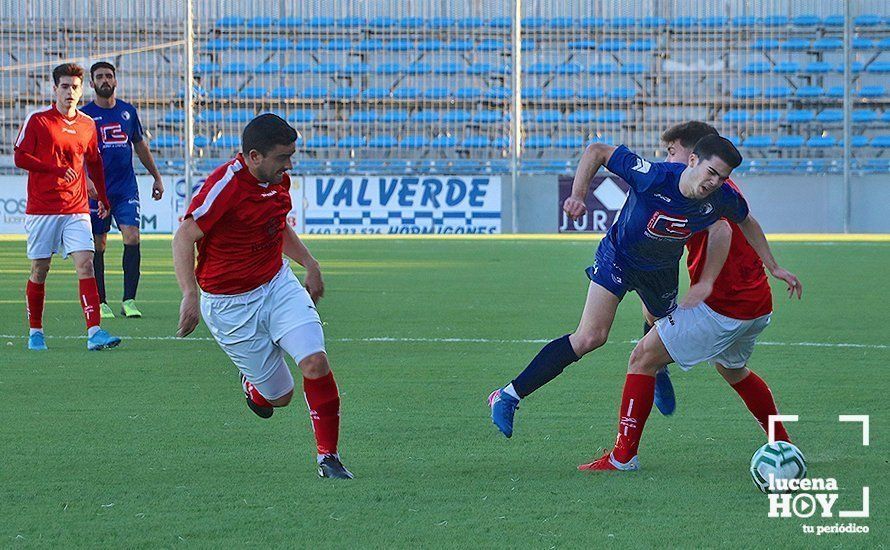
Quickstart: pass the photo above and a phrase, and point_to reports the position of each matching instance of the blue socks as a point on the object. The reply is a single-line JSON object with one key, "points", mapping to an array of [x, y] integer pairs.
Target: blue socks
{"points": [[547, 365]]}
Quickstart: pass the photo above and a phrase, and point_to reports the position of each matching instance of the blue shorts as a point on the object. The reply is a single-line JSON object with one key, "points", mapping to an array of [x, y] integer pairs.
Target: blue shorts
{"points": [[657, 289], [124, 212]]}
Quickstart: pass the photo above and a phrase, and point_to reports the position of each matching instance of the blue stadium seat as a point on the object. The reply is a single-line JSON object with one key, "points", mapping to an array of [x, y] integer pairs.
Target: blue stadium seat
{"points": [[206, 68], [284, 92], [352, 142], [886, 116], [580, 117], [622, 22], [765, 44], [601, 68], [501, 142], [468, 93], [809, 91], [734, 139], [394, 116], [736, 116], [488, 117], [480, 69], [576, 45], [411, 22], [532, 92], [471, 23], [388, 68], [758, 141], [777, 92], [302, 116], [867, 20], [230, 22], [314, 92], [426, 116], [569, 142], [248, 45], [538, 142], [879, 67], [501, 23], [790, 142], [338, 45], [498, 92], [269, 67], [429, 45], [806, 20], [560, 93], [641, 45], [166, 142], [828, 44], [369, 46], [818, 67], [546, 116], [821, 141], [320, 142], [746, 92], [239, 115], [532, 23], [830, 115], [633, 68], [363, 117], [592, 22], [835, 91], [540, 69], [414, 142], [527, 44], [653, 22], [491, 45], [436, 93], [744, 21], [457, 116], [223, 93], [713, 22], [401, 45], [449, 69], [321, 22], [475, 142], [872, 91], [218, 45], [568, 69], [352, 22], [376, 93], [382, 142], [861, 43], [883, 44], [757, 67], [836, 20], [297, 68], [592, 93], [561, 23], [768, 117], [444, 142], [684, 22], [201, 141], [406, 93], [278, 45], [856, 141], [877, 141], [419, 68], [460, 46], [227, 142], [787, 67], [795, 45], [290, 22], [175, 117], [612, 45], [382, 22], [440, 23], [307, 45], [775, 21], [209, 116], [327, 68], [610, 117], [864, 116], [800, 116], [622, 93]]}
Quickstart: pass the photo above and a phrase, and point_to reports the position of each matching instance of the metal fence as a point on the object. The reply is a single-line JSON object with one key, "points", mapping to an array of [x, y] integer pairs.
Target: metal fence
{"points": [[379, 86]]}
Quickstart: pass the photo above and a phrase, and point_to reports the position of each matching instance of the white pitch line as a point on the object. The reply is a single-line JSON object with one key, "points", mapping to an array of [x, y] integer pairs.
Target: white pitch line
{"points": [[394, 340]]}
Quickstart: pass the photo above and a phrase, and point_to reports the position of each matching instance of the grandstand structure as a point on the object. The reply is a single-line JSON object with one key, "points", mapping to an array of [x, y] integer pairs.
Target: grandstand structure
{"points": [[448, 87]]}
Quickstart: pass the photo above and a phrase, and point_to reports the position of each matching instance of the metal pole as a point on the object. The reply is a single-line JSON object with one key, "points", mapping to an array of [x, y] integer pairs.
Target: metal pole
{"points": [[189, 100], [848, 109], [516, 112]]}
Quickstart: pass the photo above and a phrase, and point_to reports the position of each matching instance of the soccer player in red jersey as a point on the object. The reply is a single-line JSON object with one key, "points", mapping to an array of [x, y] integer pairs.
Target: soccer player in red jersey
{"points": [[55, 145], [251, 301], [728, 305]]}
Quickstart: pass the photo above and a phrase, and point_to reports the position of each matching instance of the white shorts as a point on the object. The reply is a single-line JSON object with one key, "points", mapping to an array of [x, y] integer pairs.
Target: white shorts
{"points": [[699, 334], [50, 234], [250, 327]]}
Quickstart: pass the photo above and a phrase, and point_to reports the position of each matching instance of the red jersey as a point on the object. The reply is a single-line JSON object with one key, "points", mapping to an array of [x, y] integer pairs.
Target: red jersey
{"points": [[50, 143], [741, 291], [243, 222]]}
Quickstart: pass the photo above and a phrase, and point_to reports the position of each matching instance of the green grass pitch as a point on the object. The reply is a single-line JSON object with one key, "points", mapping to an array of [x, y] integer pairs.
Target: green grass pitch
{"points": [[151, 444]]}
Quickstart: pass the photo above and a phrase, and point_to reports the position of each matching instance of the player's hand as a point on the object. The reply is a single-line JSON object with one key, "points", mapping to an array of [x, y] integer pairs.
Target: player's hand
{"points": [[697, 294], [794, 284], [91, 190], [157, 189], [574, 208], [314, 283], [102, 210], [188, 315], [70, 175]]}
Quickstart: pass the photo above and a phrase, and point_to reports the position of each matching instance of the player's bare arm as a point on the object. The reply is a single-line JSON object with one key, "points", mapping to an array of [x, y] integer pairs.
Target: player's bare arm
{"points": [[184, 266], [294, 249], [595, 156], [719, 241], [754, 234], [147, 160]]}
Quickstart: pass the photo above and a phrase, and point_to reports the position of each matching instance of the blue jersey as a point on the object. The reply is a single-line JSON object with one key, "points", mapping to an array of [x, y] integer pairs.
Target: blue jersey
{"points": [[657, 220], [118, 129]]}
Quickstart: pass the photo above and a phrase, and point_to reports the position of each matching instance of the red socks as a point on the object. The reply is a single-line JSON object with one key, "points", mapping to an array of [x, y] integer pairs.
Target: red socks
{"points": [[636, 404], [89, 301], [324, 410], [35, 294], [759, 400], [254, 394]]}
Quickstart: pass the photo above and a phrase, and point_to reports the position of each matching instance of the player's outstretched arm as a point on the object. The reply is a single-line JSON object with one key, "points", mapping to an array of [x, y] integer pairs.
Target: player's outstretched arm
{"points": [[294, 249], [147, 160], [719, 241], [595, 156], [184, 266], [754, 234]]}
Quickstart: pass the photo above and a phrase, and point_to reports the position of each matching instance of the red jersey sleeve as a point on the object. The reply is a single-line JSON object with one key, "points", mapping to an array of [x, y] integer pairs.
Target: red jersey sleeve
{"points": [[216, 197], [26, 147]]}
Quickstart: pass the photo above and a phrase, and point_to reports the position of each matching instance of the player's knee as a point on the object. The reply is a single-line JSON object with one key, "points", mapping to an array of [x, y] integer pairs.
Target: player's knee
{"points": [[732, 376], [315, 366], [585, 341], [39, 271], [282, 401], [83, 264], [131, 237]]}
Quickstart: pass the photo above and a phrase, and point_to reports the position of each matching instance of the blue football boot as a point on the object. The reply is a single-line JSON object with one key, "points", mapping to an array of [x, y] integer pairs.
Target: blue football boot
{"points": [[503, 407], [664, 392]]}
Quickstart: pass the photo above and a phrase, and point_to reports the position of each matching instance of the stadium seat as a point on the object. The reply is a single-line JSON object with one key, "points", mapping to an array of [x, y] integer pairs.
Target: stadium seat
{"points": [[790, 142], [307, 45], [388, 69], [547, 116], [610, 117], [500, 142], [460, 46], [835, 91], [406, 93], [440, 23], [351, 142], [633, 68], [302, 116], [795, 45], [864, 116], [800, 116], [419, 68], [821, 141], [480, 69], [881, 141], [278, 45], [601, 68], [533, 23], [641, 46], [411, 22], [429, 45], [684, 22], [775, 21], [592, 93], [879, 67], [501, 23], [376, 93], [787, 67], [239, 115], [758, 141], [414, 142], [809, 91], [622, 93], [861, 43], [856, 141], [836, 20], [395, 116], [830, 115], [471, 23], [222, 93], [166, 142], [757, 67], [491, 45], [488, 117], [736, 116], [828, 44], [321, 22], [746, 92], [436, 93], [569, 142], [806, 20], [538, 142], [765, 44], [230, 22], [327, 68], [449, 69], [883, 44], [320, 142], [401, 45], [713, 22], [314, 92], [768, 117], [352, 22], [532, 92], [867, 20], [580, 117], [227, 142], [175, 116], [382, 22], [248, 45], [560, 93], [285, 92], [206, 68], [592, 22], [576, 45], [269, 67], [426, 116], [363, 117], [612, 45], [369, 46], [653, 22], [818, 67], [218, 45], [540, 69], [458, 116], [622, 22], [236, 68], [744, 21], [382, 142], [568, 69], [475, 142], [201, 141], [872, 91], [290, 22], [468, 93], [297, 68], [498, 92], [777, 92], [444, 142]]}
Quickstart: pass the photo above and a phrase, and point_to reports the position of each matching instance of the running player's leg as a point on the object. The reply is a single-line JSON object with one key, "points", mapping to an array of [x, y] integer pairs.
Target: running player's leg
{"points": [[126, 214], [659, 290], [44, 235]]}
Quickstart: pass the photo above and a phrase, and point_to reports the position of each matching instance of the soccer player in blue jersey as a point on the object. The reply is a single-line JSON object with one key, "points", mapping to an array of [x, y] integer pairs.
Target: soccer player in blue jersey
{"points": [[668, 202], [120, 133]]}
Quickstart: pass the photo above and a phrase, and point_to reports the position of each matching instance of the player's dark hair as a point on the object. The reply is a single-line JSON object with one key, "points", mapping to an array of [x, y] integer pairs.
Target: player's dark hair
{"points": [[67, 69], [717, 146], [265, 132], [688, 133], [102, 65]]}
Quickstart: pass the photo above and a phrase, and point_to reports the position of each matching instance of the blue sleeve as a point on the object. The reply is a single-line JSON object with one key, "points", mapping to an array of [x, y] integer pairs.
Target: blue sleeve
{"points": [[734, 206], [638, 172], [136, 134]]}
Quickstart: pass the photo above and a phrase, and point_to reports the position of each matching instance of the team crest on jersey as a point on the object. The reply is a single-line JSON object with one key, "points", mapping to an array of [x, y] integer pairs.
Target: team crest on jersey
{"points": [[642, 166], [706, 208], [666, 227], [125, 115]]}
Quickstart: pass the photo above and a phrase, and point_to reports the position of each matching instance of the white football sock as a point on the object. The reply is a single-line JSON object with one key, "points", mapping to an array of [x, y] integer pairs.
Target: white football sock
{"points": [[511, 391]]}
